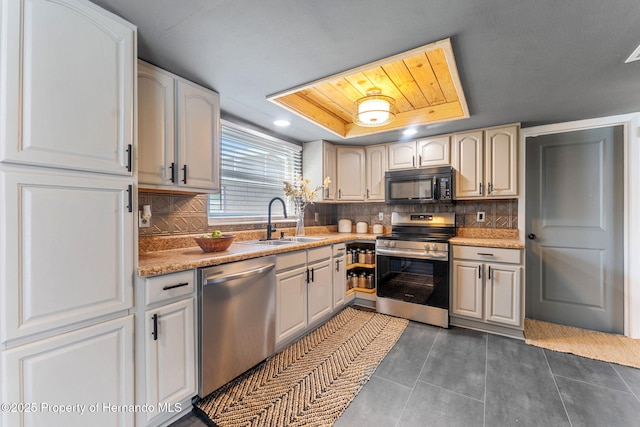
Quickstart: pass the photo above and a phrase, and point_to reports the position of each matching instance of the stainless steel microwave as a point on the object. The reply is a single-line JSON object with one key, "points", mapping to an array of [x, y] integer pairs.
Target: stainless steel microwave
{"points": [[427, 185]]}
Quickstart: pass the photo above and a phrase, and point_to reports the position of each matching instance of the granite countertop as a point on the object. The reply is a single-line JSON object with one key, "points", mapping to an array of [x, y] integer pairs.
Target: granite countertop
{"points": [[487, 242], [167, 261], [488, 237], [171, 254]]}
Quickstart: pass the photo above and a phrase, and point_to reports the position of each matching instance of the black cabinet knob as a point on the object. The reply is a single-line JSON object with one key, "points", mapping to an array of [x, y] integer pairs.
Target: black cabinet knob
{"points": [[531, 236]]}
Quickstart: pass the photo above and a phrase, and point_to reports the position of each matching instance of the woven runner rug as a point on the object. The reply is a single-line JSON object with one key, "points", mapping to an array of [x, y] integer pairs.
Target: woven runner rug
{"points": [[311, 382], [582, 342]]}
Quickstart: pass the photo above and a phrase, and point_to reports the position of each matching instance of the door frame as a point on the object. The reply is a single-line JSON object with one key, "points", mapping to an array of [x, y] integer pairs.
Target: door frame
{"points": [[631, 239]]}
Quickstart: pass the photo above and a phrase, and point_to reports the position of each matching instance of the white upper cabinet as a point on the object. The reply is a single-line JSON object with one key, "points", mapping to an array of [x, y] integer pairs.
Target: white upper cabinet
{"points": [[376, 162], [351, 173], [433, 151], [501, 161], [469, 164], [423, 153], [319, 162], [156, 134], [402, 155], [486, 163], [198, 130], [68, 76], [178, 133]]}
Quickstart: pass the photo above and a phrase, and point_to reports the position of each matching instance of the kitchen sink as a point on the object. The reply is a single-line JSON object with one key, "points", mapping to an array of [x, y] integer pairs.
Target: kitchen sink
{"points": [[300, 239], [288, 240]]}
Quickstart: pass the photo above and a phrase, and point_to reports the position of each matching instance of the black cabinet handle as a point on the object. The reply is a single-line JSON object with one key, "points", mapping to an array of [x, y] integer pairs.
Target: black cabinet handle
{"points": [[479, 272], [130, 197], [481, 189], [184, 179], [531, 236], [173, 172], [155, 327], [489, 188], [179, 285], [489, 275], [367, 193], [312, 275], [338, 265], [129, 154], [307, 276], [484, 254]]}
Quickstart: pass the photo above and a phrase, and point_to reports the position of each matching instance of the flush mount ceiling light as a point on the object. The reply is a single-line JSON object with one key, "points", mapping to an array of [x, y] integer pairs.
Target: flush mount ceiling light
{"points": [[423, 83], [375, 109], [281, 123]]}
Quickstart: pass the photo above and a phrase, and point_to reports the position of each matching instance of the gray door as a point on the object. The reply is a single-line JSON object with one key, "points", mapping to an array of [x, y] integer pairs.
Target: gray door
{"points": [[574, 228]]}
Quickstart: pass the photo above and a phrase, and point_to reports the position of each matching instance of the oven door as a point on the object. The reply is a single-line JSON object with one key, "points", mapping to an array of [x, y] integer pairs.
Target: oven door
{"points": [[413, 280]]}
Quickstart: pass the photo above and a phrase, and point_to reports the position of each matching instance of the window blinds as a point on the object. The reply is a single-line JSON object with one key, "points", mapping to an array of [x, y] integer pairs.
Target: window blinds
{"points": [[253, 167]]}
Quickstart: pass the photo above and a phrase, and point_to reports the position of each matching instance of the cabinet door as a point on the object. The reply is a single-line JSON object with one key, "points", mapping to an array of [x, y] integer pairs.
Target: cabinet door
{"points": [[170, 359], [320, 292], [69, 250], [339, 280], [89, 366], [351, 173], [469, 165], [329, 169], [501, 161], [503, 294], [376, 162], [156, 138], [69, 86], [433, 152], [198, 130], [291, 303], [467, 289], [402, 155]]}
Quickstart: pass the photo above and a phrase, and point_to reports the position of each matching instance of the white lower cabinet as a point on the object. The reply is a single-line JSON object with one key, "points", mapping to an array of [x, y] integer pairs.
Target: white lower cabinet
{"points": [[304, 292], [487, 286], [79, 378], [339, 275], [166, 347]]}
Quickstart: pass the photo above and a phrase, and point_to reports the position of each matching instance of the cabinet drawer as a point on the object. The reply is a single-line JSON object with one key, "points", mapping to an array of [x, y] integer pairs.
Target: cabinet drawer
{"points": [[290, 260], [168, 286], [477, 253], [318, 254]]}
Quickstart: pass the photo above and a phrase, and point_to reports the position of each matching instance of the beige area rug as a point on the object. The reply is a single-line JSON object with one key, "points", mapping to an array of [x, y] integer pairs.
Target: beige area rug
{"points": [[311, 382], [582, 342]]}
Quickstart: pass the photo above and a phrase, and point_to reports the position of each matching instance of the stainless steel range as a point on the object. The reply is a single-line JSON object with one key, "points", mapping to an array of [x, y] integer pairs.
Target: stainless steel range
{"points": [[412, 267]]}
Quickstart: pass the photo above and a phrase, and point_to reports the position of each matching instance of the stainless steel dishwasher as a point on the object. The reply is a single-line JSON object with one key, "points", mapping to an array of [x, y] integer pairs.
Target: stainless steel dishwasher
{"points": [[236, 319]]}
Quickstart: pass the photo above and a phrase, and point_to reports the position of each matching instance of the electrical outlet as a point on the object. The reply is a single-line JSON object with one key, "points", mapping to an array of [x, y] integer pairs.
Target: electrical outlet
{"points": [[480, 217], [142, 221], [381, 216], [316, 216]]}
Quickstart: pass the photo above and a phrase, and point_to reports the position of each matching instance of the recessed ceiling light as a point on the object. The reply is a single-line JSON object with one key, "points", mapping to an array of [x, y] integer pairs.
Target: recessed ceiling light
{"points": [[281, 123], [409, 132]]}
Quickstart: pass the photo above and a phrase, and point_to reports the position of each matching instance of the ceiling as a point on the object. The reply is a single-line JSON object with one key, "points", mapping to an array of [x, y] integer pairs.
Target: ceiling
{"points": [[534, 62], [423, 83]]}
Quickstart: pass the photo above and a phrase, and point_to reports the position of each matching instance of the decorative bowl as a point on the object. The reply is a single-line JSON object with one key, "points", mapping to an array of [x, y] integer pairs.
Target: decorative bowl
{"points": [[215, 244]]}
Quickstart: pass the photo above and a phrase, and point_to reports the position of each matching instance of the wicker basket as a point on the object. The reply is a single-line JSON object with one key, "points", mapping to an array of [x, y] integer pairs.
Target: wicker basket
{"points": [[215, 244]]}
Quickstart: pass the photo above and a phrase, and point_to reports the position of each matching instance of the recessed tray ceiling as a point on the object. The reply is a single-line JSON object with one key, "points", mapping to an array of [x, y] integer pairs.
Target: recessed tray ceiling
{"points": [[424, 83]]}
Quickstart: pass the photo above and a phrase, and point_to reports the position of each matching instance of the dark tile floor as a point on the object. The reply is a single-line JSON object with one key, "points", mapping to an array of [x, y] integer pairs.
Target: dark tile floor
{"points": [[458, 377]]}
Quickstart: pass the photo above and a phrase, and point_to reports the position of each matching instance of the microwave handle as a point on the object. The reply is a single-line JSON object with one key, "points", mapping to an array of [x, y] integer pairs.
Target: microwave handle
{"points": [[434, 189]]}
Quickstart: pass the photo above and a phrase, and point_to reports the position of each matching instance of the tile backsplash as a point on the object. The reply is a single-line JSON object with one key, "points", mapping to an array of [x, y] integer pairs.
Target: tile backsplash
{"points": [[176, 214]]}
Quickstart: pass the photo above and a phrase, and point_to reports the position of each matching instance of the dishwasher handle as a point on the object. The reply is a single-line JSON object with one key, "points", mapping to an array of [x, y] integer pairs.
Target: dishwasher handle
{"points": [[221, 278]]}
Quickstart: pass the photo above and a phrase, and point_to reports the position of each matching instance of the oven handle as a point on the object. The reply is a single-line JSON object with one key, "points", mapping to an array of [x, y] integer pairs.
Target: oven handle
{"points": [[409, 254]]}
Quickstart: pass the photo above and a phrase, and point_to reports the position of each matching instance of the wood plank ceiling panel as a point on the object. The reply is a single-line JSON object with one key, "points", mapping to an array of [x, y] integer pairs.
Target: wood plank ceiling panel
{"points": [[424, 83]]}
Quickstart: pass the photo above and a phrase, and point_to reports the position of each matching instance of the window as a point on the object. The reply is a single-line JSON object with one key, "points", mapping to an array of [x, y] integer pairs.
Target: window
{"points": [[253, 167]]}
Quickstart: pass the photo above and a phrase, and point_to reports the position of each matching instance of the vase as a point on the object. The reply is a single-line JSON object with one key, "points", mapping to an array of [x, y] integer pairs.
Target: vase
{"points": [[300, 222]]}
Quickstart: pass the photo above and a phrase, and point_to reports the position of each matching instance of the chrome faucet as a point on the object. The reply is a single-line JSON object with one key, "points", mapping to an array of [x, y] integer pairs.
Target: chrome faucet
{"points": [[284, 208]]}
